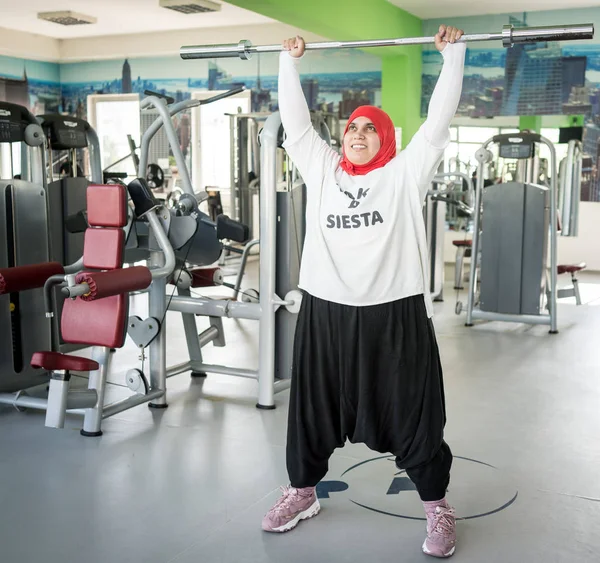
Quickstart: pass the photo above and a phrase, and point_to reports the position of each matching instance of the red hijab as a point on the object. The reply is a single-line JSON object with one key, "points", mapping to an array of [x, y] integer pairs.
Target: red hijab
{"points": [[387, 137]]}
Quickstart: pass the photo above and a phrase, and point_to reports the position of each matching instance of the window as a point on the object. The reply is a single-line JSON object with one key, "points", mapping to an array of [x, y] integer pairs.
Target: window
{"points": [[476, 134], [10, 160], [114, 116], [561, 149], [551, 134], [465, 142], [211, 137]]}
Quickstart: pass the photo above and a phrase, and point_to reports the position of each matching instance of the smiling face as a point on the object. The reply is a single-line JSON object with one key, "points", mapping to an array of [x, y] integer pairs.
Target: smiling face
{"points": [[361, 141]]}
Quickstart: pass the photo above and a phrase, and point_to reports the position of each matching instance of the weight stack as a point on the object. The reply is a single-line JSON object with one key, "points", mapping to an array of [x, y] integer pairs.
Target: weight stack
{"points": [[514, 244]]}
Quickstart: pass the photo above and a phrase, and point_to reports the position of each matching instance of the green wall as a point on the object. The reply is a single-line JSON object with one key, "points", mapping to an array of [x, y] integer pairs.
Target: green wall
{"points": [[536, 122], [531, 122], [356, 20]]}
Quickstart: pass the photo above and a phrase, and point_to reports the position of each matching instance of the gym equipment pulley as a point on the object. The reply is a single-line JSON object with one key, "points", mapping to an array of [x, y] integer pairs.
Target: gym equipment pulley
{"points": [[509, 36]]}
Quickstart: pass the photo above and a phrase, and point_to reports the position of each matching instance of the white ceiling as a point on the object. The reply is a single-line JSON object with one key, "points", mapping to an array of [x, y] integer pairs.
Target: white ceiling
{"points": [[116, 17], [435, 9]]}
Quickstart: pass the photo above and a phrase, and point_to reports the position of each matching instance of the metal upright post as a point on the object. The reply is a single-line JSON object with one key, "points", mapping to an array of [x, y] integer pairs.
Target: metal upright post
{"points": [[482, 157], [233, 175], [553, 238], [577, 190], [57, 399], [158, 348], [95, 158], [268, 232], [93, 417], [191, 335]]}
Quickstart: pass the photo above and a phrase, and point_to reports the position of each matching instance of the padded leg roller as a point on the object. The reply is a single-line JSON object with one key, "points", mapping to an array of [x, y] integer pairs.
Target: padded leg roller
{"points": [[198, 374], [231, 230]]}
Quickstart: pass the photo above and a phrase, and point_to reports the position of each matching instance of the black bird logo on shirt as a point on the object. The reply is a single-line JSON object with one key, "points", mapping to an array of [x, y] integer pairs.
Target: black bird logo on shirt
{"points": [[355, 200]]}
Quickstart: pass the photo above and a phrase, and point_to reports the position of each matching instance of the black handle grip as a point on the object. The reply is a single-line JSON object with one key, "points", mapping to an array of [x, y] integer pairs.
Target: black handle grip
{"points": [[231, 92], [232, 230], [524, 138], [114, 176], [159, 95]]}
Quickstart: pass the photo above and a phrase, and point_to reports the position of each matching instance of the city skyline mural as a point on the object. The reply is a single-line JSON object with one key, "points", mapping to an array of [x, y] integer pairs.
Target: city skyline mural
{"points": [[33, 84], [325, 82], [557, 78]]}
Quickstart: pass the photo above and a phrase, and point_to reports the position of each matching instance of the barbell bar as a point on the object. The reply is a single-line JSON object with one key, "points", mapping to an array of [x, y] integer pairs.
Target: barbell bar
{"points": [[509, 36]]}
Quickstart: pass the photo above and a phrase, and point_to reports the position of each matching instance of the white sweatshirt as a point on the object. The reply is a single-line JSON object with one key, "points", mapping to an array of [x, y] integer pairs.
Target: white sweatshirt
{"points": [[365, 235]]}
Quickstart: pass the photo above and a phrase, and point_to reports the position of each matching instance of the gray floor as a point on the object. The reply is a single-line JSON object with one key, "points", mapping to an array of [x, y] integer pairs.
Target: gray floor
{"points": [[190, 484]]}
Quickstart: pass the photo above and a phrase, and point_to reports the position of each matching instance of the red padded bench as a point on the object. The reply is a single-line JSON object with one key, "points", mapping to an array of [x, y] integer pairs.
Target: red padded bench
{"points": [[574, 290], [98, 317]]}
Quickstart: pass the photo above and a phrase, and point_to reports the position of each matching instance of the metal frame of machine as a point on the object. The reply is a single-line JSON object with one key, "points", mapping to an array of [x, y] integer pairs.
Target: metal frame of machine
{"points": [[473, 311], [265, 311], [434, 215]]}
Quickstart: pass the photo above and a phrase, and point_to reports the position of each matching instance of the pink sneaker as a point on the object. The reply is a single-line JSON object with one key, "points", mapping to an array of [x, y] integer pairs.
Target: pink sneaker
{"points": [[441, 529], [293, 506]]}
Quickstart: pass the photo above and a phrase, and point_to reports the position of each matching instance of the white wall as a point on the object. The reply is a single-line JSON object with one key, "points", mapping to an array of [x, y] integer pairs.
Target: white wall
{"points": [[571, 250], [586, 246], [29, 46]]}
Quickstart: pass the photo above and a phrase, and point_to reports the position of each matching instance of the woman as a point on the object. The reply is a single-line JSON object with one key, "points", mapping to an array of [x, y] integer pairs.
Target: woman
{"points": [[366, 366]]}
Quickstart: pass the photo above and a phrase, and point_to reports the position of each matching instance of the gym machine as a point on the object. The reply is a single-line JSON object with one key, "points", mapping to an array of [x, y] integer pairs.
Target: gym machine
{"points": [[512, 224], [446, 190], [509, 275], [102, 323], [279, 267], [165, 225], [95, 313]]}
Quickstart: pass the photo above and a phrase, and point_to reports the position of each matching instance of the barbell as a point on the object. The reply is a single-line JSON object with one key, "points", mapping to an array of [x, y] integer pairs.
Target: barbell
{"points": [[509, 36]]}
